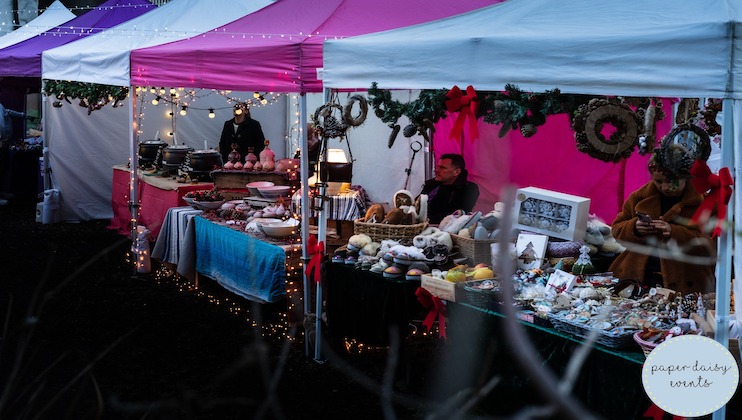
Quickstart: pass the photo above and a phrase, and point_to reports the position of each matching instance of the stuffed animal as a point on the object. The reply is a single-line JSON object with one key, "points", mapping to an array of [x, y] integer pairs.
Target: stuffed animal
{"points": [[394, 217], [357, 242], [599, 238]]}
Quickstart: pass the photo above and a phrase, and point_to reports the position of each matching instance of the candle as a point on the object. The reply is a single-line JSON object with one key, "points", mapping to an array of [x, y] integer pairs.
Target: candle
{"points": [[157, 135], [206, 147]]}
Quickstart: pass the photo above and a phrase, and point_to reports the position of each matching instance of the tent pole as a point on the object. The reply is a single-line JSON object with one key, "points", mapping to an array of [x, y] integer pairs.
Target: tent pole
{"points": [[305, 213], [724, 265], [46, 176], [322, 233], [133, 165]]}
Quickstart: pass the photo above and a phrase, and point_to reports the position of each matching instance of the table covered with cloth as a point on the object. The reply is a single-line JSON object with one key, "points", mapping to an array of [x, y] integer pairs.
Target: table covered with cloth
{"points": [[156, 195], [176, 243], [241, 263], [349, 205]]}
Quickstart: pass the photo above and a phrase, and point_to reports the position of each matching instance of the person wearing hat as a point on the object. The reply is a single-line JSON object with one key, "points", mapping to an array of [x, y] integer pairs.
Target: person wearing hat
{"points": [[450, 190], [658, 213], [242, 130]]}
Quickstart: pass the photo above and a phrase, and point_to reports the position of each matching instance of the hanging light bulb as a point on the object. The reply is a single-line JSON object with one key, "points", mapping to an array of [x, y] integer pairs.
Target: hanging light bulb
{"points": [[172, 91], [237, 111], [256, 95], [162, 90], [211, 113], [183, 110], [156, 100], [152, 89]]}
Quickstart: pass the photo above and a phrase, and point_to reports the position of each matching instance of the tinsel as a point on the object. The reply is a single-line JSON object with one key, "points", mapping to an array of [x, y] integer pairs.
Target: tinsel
{"points": [[91, 95]]}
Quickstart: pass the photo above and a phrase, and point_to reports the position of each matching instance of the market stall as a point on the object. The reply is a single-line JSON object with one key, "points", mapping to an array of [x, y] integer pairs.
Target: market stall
{"points": [[156, 196]]}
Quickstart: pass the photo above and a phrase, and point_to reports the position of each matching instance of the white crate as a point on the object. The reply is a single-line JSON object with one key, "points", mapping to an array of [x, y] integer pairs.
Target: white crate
{"points": [[551, 213]]}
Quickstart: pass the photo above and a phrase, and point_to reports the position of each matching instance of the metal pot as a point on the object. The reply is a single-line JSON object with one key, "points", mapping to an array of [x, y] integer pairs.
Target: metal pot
{"points": [[148, 151], [205, 160], [173, 156]]}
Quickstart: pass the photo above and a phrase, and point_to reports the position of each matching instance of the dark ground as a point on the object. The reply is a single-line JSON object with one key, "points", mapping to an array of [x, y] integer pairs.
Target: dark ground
{"points": [[83, 337]]}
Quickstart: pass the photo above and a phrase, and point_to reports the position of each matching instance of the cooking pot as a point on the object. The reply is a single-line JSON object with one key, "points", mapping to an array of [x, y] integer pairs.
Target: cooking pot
{"points": [[205, 160], [148, 151], [173, 156]]}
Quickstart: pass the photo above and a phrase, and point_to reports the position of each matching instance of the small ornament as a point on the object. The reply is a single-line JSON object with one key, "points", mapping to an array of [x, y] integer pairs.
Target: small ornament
{"points": [[234, 156], [528, 130], [251, 156], [409, 130]]}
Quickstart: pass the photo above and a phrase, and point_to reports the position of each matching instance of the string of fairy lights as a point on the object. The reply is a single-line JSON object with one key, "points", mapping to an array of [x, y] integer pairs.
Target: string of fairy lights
{"points": [[182, 100]]}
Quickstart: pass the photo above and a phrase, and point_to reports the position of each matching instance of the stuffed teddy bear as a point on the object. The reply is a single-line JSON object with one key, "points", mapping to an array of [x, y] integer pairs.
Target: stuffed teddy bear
{"points": [[599, 238]]}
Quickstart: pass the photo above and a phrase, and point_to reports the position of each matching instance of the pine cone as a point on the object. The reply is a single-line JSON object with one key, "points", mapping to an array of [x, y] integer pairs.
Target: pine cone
{"points": [[527, 130], [393, 135], [409, 130]]}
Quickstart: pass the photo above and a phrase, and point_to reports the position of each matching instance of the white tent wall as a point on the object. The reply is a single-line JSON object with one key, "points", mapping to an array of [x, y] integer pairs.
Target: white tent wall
{"points": [[84, 148], [377, 168]]}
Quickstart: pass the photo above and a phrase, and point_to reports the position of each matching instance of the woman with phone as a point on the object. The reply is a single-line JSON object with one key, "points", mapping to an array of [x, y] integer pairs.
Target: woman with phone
{"points": [[659, 212]]}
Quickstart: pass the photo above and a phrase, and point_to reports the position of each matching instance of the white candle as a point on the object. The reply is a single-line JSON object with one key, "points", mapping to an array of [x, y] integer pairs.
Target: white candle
{"points": [[206, 146], [157, 135]]}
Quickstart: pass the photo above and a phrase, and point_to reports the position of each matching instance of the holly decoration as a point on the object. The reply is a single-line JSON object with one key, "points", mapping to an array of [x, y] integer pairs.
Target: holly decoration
{"points": [[92, 96]]}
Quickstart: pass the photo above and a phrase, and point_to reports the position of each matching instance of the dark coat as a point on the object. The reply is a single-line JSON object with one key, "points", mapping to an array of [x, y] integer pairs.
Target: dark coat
{"points": [[677, 275], [446, 199], [248, 134]]}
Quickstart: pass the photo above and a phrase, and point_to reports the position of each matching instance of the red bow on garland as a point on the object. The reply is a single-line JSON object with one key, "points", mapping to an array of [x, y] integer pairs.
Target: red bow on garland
{"points": [[435, 308], [721, 191], [317, 251], [657, 413], [467, 105]]}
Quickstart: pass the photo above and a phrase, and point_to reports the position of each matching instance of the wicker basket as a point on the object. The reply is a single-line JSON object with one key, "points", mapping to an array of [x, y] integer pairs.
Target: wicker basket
{"points": [[380, 231], [647, 346], [477, 250], [481, 297], [606, 338]]}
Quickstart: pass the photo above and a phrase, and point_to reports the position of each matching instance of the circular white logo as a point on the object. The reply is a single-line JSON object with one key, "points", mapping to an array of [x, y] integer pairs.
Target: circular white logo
{"points": [[690, 375]]}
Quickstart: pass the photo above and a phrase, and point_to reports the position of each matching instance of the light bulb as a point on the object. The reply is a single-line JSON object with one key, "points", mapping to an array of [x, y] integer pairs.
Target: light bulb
{"points": [[238, 111], [211, 113], [156, 101], [183, 110], [162, 90], [172, 90], [256, 95]]}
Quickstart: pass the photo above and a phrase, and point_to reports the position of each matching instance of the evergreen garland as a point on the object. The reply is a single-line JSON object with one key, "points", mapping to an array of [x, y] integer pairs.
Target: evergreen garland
{"points": [[92, 96]]}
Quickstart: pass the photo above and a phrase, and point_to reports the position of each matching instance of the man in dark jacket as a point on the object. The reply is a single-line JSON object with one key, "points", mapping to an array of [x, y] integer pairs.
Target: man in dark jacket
{"points": [[449, 190], [242, 130]]}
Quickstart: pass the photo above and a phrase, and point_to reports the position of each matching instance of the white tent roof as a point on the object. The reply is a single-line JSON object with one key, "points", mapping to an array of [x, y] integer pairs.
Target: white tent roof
{"points": [[684, 48], [104, 58], [55, 15]]}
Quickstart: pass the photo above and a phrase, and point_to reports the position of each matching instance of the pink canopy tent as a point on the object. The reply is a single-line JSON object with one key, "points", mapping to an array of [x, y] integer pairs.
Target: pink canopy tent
{"points": [[279, 48]]}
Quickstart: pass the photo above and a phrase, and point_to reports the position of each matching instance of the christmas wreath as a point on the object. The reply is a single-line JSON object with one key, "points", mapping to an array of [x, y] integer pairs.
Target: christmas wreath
{"points": [[592, 119]]}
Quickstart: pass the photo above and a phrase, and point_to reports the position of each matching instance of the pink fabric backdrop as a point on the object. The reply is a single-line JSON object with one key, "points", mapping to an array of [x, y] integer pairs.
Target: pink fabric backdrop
{"points": [[549, 160]]}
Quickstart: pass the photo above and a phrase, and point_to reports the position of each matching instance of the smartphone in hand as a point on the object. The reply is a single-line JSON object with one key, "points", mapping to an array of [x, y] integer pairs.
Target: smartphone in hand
{"points": [[644, 217]]}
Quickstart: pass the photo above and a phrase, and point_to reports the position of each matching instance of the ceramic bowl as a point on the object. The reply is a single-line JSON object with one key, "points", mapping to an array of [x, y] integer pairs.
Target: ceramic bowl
{"points": [[207, 205], [254, 186], [188, 200], [275, 191], [278, 229]]}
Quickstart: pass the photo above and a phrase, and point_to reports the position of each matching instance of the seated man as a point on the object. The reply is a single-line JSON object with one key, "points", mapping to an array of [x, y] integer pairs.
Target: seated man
{"points": [[449, 190]]}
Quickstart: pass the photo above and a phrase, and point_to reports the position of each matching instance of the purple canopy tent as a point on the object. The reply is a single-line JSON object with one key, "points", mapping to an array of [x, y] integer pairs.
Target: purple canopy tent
{"points": [[24, 58], [279, 49]]}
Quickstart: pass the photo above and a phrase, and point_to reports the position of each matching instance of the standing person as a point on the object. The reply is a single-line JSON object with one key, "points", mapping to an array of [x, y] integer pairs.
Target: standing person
{"points": [[450, 190], [657, 213], [6, 135], [242, 130]]}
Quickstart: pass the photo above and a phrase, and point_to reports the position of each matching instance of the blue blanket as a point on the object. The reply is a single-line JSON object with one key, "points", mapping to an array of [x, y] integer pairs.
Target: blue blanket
{"points": [[242, 264]]}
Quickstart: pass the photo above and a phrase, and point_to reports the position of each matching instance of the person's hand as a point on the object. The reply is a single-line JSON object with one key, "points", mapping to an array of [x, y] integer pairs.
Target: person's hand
{"points": [[662, 227], [644, 228]]}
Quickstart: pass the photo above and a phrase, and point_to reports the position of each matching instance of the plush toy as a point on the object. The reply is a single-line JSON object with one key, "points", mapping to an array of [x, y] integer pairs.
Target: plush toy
{"points": [[394, 217], [599, 238], [371, 248]]}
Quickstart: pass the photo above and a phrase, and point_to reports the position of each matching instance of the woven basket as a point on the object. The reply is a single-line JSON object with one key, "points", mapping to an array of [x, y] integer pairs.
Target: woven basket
{"points": [[647, 346], [380, 231], [606, 338], [477, 250], [480, 297]]}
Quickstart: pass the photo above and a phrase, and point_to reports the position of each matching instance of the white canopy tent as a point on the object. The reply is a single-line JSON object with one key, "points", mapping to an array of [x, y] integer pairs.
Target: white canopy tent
{"points": [[666, 48], [54, 15], [106, 137]]}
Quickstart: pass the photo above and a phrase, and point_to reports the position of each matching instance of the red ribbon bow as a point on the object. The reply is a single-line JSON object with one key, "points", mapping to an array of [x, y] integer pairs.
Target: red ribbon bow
{"points": [[467, 105], [720, 187], [317, 251], [435, 308], [657, 413]]}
